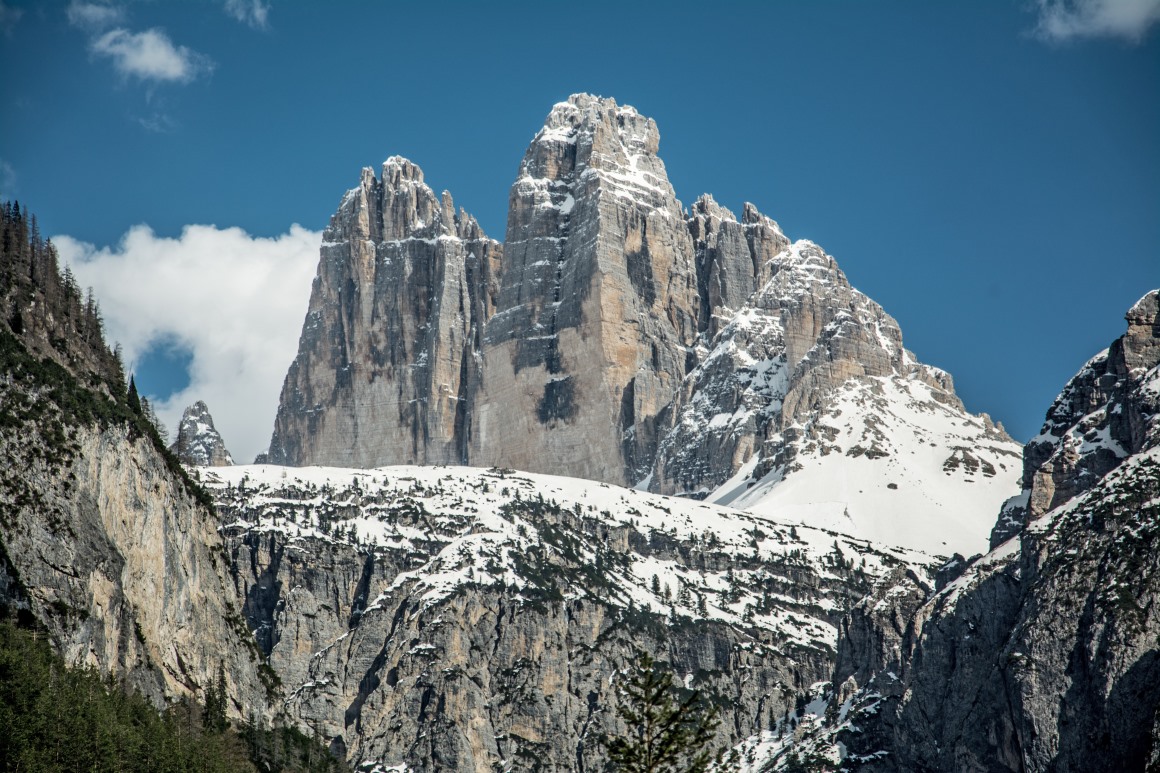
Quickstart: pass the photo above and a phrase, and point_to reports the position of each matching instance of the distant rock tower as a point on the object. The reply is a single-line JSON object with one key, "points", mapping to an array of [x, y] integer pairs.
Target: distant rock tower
{"points": [[198, 443]]}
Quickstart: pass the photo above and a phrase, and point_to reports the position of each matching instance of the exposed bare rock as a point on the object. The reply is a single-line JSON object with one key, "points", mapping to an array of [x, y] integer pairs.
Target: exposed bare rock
{"points": [[105, 545], [807, 403], [389, 359], [468, 619], [733, 258], [1042, 655], [598, 305], [198, 442], [1099, 419]]}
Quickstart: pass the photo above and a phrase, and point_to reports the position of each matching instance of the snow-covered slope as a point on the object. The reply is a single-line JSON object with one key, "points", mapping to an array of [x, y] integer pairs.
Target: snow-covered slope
{"points": [[805, 405], [469, 526], [889, 462]]}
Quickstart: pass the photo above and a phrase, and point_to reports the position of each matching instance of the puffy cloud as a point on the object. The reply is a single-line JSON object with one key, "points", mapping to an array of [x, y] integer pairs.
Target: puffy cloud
{"points": [[252, 12], [93, 16], [234, 301], [1061, 20], [150, 55]]}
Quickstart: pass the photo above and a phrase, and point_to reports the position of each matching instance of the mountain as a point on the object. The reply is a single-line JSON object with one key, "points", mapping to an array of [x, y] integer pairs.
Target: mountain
{"points": [[807, 405], [198, 442], [598, 304], [454, 618], [389, 359], [618, 337], [1042, 654], [107, 546]]}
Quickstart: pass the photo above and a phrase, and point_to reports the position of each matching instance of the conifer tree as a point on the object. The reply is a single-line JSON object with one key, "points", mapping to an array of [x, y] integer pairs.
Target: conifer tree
{"points": [[134, 398], [666, 734]]}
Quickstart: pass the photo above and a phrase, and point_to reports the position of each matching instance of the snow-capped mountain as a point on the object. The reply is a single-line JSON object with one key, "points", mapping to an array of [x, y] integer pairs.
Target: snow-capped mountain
{"points": [[1041, 654], [618, 337], [198, 443], [807, 405]]}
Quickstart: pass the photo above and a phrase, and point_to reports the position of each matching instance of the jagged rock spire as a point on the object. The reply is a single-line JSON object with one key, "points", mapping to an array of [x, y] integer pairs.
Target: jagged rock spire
{"points": [[198, 442], [389, 357]]}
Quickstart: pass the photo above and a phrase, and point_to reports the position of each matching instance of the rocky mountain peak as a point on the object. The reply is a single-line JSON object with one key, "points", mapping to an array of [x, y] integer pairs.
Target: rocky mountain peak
{"points": [[615, 337], [198, 443], [1041, 654], [597, 307], [1141, 343], [806, 401], [1105, 414], [389, 354], [399, 171]]}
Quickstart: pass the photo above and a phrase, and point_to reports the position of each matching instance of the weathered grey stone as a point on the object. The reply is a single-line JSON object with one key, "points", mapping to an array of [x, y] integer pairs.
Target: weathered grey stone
{"points": [[1042, 655], [443, 637], [389, 359], [107, 548], [598, 303], [198, 443], [1099, 419], [773, 368]]}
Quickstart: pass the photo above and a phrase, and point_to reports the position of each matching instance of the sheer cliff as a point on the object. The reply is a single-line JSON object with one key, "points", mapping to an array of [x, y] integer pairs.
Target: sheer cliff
{"points": [[618, 337], [390, 355], [453, 618], [106, 544], [1040, 655]]}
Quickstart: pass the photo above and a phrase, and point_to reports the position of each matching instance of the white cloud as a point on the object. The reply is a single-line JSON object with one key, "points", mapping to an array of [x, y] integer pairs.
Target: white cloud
{"points": [[252, 12], [93, 16], [237, 302], [157, 122], [150, 55], [1061, 20]]}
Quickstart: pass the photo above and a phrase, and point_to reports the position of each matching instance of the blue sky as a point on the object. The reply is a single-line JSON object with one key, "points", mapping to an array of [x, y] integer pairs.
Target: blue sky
{"points": [[987, 171]]}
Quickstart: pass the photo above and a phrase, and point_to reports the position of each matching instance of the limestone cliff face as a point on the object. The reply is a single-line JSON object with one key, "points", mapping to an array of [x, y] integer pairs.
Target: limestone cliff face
{"points": [[1093, 425], [103, 544], [807, 382], [1042, 654], [389, 358], [198, 442], [468, 619], [615, 337], [598, 304], [733, 258]]}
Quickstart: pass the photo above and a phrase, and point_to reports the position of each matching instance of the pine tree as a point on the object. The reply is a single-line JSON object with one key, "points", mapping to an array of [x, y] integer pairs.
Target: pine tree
{"points": [[665, 734], [134, 398]]}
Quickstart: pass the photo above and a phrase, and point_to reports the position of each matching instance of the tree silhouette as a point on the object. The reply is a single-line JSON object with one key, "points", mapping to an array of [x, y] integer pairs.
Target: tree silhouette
{"points": [[134, 399], [666, 734]]}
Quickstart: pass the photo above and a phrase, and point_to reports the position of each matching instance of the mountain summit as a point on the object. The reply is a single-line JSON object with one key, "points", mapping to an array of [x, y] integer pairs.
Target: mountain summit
{"points": [[618, 337], [198, 442]]}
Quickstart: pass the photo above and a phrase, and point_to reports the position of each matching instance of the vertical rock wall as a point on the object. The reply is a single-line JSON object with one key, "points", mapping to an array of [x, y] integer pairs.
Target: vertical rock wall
{"points": [[598, 305], [389, 358]]}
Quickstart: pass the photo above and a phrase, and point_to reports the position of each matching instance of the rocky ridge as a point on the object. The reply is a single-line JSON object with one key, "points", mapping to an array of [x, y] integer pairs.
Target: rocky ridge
{"points": [[460, 619], [806, 403], [1040, 655], [618, 337], [106, 545], [198, 442]]}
